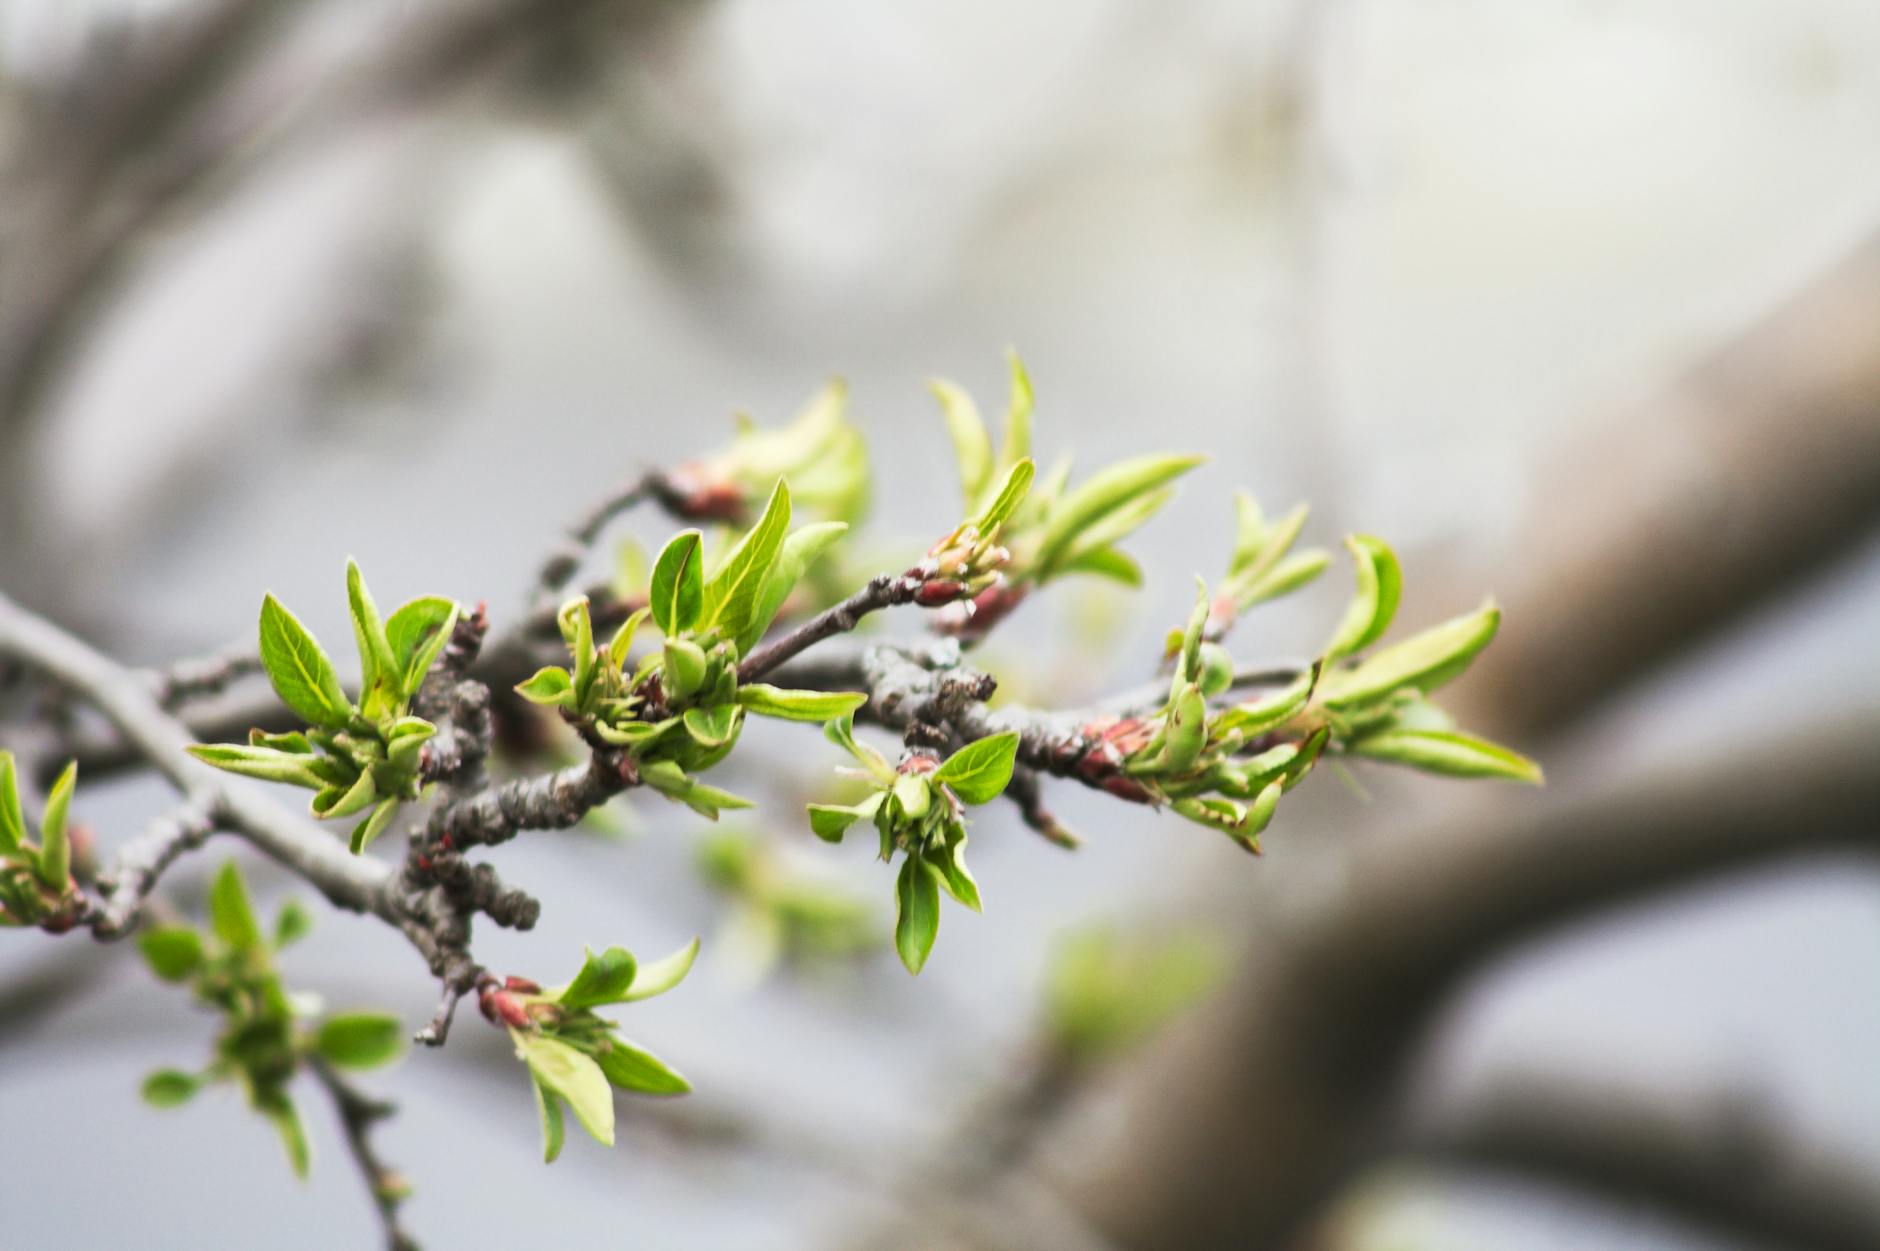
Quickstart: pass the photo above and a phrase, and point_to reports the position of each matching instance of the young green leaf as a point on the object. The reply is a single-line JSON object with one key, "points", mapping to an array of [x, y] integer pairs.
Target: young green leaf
{"points": [[800, 550], [972, 445], [550, 685], [830, 822], [291, 924], [417, 633], [630, 1068], [577, 629], [713, 727], [841, 732], [380, 679], [603, 979], [230, 914], [12, 820], [771, 701], [573, 1076], [678, 591], [167, 1088], [732, 594], [980, 770], [55, 845], [1456, 755], [917, 912], [1424, 661], [1018, 411], [1090, 503], [685, 667], [913, 795], [359, 1040], [1011, 495], [299, 670], [1187, 732], [1282, 705], [554, 1130], [623, 637], [1380, 586], [1105, 562], [173, 952], [367, 831], [357, 797], [950, 861], [267, 763], [285, 1118], [662, 975], [1282, 579]]}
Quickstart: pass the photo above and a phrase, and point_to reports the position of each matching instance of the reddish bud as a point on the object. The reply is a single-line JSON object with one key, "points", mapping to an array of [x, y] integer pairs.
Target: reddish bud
{"points": [[521, 985], [503, 1008], [939, 592]]}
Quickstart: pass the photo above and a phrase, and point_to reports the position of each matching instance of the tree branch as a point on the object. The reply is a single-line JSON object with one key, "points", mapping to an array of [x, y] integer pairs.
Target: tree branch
{"points": [[358, 1114]]}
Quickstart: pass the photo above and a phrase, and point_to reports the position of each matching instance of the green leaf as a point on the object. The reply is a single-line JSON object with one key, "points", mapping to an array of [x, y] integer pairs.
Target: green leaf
{"points": [[771, 701], [418, 633], [554, 1130], [662, 975], [678, 592], [358, 796], [603, 979], [1187, 732], [1283, 579], [972, 445], [380, 678], [800, 550], [1017, 444], [713, 727], [550, 685], [359, 1040], [266, 763], [731, 596], [55, 846], [1105, 562], [168, 1088], [1108, 491], [950, 860], [12, 820], [294, 743], [916, 912], [913, 795], [623, 637], [1380, 586], [1425, 661], [285, 1118], [980, 770], [1281, 706], [628, 1067], [685, 667], [841, 732], [577, 629], [573, 1076], [231, 916], [291, 924], [1451, 754], [368, 830], [300, 672], [173, 952], [1005, 503], [830, 822]]}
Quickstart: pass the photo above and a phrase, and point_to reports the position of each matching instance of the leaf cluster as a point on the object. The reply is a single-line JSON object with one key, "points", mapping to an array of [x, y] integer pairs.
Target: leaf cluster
{"points": [[357, 757], [680, 709], [919, 810], [576, 1058], [36, 884], [264, 1040]]}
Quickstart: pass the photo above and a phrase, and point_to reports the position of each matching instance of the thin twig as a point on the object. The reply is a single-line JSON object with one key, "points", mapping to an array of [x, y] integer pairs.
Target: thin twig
{"points": [[358, 1114]]}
